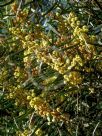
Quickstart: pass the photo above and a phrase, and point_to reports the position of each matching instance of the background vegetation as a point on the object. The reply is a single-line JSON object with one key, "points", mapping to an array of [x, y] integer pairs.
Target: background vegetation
{"points": [[50, 68]]}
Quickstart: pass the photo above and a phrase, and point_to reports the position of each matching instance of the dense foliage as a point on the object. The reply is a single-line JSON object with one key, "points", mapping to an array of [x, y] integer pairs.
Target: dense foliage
{"points": [[50, 68]]}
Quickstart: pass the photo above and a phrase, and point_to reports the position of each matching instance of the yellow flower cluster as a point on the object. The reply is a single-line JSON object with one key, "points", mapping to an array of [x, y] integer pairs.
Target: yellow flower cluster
{"points": [[20, 74], [27, 132], [18, 94], [62, 64], [73, 77], [24, 133], [42, 108], [88, 69], [39, 132], [81, 37]]}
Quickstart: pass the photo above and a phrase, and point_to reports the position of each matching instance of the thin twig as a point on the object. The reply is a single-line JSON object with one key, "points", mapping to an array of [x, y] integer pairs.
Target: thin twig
{"points": [[16, 123], [93, 134], [19, 8], [77, 130]]}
